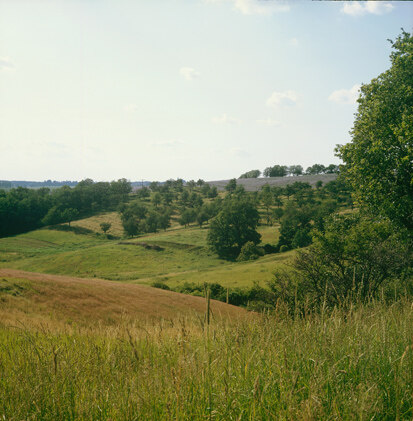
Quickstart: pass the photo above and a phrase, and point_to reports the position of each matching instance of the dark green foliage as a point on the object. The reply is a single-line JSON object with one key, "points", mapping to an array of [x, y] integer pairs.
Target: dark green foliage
{"points": [[251, 174], [156, 199], [249, 251], [295, 226], [105, 226], [143, 193], [276, 171], [295, 170], [187, 216], [316, 169], [352, 259], [213, 192], [160, 285], [231, 186], [379, 159], [24, 209], [234, 225]]}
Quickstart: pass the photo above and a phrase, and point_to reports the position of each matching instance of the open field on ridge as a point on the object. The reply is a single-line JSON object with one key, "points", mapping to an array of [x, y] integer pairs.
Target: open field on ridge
{"points": [[255, 184]]}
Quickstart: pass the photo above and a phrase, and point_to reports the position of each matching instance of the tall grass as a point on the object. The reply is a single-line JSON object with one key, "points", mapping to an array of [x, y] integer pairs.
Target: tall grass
{"points": [[353, 364]]}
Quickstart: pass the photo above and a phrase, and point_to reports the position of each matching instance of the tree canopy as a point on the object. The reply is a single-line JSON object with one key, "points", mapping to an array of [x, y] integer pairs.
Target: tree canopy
{"points": [[234, 226], [379, 159]]}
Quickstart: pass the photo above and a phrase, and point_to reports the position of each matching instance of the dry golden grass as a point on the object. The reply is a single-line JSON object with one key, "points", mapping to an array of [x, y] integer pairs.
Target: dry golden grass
{"points": [[67, 299], [93, 223]]}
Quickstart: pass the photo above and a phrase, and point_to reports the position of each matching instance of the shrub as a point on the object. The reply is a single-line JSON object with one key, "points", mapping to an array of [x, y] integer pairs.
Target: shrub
{"points": [[249, 251]]}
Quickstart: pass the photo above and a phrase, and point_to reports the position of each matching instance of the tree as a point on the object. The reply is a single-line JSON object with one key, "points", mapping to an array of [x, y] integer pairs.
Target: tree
{"points": [[143, 192], [316, 169], [267, 199], [379, 158], [295, 170], [231, 185], [120, 189], [213, 192], [187, 216], [355, 255], [234, 225], [276, 171], [105, 226], [249, 251], [68, 215], [156, 199], [251, 174]]}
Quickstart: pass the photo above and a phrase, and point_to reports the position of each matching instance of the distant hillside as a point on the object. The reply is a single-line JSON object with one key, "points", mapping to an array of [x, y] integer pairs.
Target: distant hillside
{"points": [[35, 297], [254, 184]]}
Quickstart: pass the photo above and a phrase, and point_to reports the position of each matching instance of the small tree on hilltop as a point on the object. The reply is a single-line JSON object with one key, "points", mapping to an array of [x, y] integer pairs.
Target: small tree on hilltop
{"points": [[105, 226]]}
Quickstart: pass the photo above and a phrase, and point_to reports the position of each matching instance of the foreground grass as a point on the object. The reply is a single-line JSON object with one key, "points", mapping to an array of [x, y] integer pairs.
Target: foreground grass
{"points": [[354, 364]]}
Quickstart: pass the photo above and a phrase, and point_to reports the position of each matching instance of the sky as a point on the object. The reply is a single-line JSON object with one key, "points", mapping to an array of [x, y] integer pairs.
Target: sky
{"points": [[152, 90]]}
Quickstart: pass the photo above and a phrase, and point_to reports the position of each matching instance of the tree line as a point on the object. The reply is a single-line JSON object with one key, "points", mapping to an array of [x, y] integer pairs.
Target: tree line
{"points": [[23, 209], [288, 170]]}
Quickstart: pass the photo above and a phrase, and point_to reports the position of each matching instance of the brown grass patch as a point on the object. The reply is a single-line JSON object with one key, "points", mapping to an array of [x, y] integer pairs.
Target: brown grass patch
{"points": [[64, 299]]}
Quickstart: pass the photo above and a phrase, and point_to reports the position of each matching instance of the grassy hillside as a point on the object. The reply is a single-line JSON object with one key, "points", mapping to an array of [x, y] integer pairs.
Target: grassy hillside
{"points": [[33, 299], [185, 256]]}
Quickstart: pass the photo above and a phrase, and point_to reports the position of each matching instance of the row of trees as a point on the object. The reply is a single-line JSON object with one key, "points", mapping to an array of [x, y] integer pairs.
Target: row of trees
{"points": [[24, 209], [284, 170]]}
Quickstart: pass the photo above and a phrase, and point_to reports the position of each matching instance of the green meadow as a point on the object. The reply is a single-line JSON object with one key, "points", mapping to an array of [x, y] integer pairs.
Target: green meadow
{"points": [[184, 257]]}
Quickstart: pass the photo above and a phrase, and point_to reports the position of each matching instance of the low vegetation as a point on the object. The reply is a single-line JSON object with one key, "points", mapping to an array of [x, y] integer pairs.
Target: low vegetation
{"points": [[347, 364]]}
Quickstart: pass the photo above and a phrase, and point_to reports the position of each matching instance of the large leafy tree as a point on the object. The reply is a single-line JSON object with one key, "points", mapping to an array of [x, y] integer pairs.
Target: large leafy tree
{"points": [[379, 159], [234, 226]]}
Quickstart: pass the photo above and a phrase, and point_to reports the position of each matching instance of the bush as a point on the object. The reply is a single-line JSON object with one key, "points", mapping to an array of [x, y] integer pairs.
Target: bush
{"points": [[354, 258], [160, 285], [249, 251], [284, 248], [270, 249]]}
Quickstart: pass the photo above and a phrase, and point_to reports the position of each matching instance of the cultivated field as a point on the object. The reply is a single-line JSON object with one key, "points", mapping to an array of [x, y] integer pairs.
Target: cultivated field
{"points": [[255, 184]]}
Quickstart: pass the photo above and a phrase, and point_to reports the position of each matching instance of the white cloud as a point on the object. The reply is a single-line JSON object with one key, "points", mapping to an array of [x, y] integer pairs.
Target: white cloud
{"points": [[130, 108], [6, 63], [257, 7], [282, 98], [356, 8], [188, 73], [345, 96], [268, 122], [225, 119]]}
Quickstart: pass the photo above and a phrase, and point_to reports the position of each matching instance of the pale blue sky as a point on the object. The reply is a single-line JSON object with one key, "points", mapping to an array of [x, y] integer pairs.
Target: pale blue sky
{"points": [[173, 88]]}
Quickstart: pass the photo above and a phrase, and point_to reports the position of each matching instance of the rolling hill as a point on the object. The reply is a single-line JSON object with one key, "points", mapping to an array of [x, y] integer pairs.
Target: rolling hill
{"points": [[35, 298]]}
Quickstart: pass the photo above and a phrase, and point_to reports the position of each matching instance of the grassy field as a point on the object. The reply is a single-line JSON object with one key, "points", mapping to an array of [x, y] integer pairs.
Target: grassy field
{"points": [[184, 258], [347, 365], [49, 300]]}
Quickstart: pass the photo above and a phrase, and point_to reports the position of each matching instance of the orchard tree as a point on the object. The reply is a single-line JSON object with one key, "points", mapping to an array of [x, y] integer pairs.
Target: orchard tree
{"points": [[231, 185], [379, 159], [105, 226]]}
